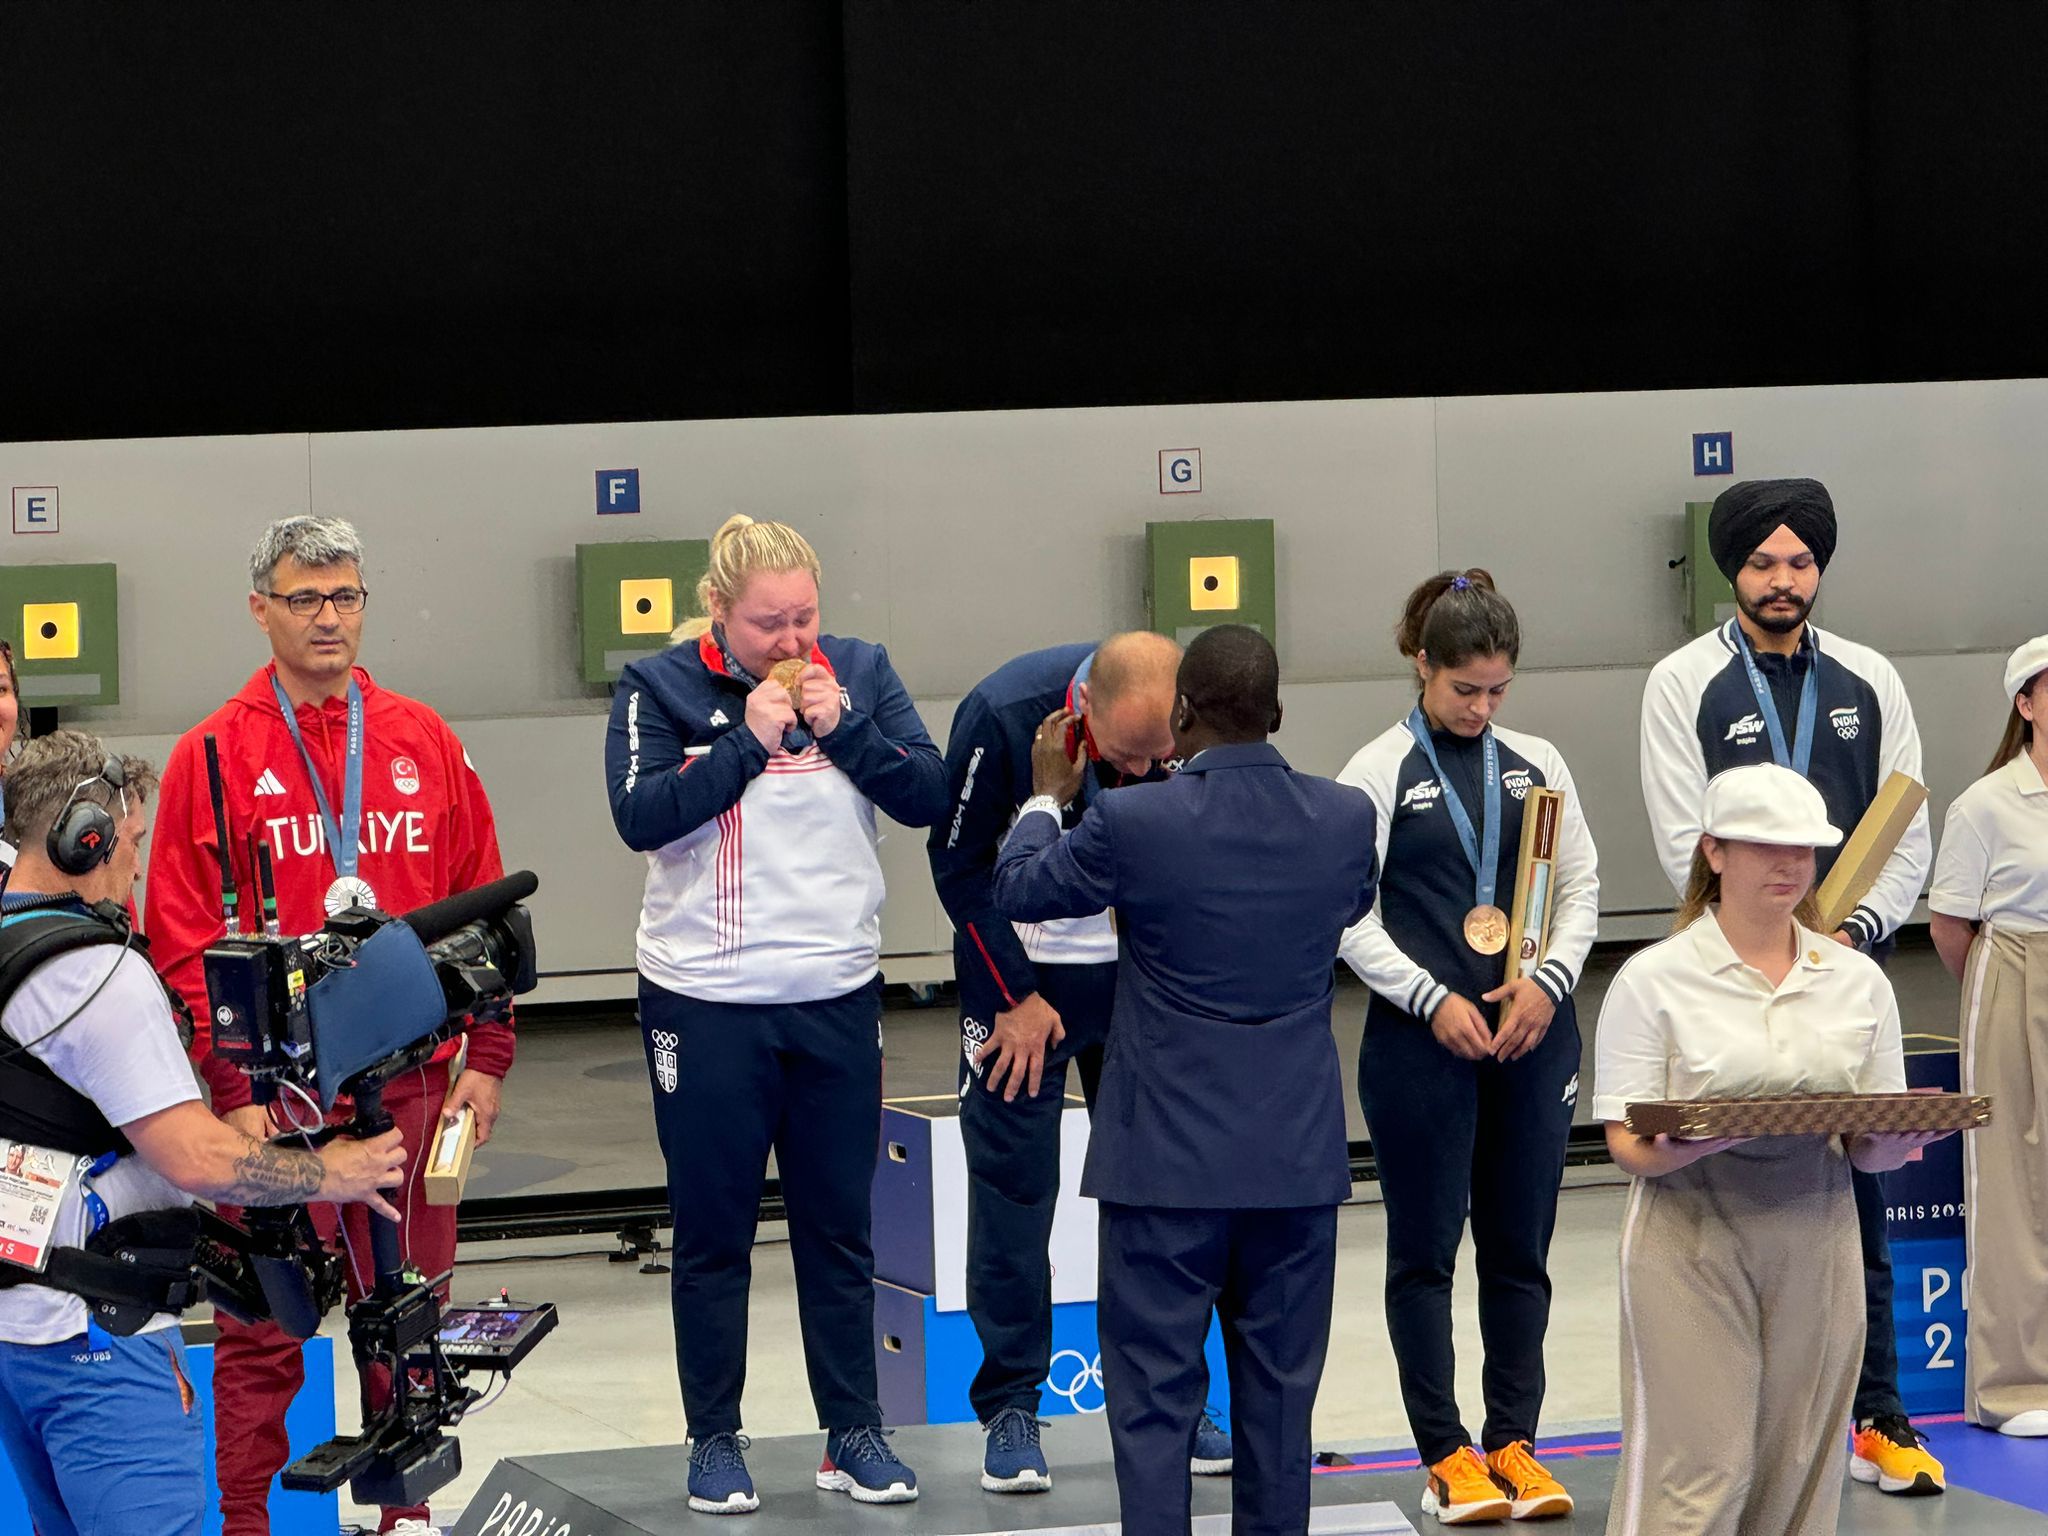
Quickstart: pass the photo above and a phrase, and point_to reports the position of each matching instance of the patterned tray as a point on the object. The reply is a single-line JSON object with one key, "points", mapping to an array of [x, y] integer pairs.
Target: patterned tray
{"points": [[1811, 1114]]}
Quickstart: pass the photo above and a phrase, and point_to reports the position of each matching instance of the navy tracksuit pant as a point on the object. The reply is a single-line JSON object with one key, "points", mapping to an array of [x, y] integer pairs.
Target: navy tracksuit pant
{"points": [[1270, 1276], [1452, 1137], [730, 1081], [1013, 1178]]}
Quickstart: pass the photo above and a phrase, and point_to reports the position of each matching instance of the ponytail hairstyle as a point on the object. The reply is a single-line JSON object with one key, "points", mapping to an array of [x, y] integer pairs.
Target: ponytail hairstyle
{"points": [[739, 549], [2019, 730], [1703, 890], [1458, 616]]}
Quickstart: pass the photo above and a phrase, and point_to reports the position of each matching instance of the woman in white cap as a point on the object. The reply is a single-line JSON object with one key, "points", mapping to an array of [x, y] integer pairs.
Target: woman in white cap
{"points": [[1741, 1271], [1990, 906]]}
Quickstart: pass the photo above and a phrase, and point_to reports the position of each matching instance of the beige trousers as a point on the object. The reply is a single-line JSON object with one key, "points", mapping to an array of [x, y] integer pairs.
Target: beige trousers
{"points": [[2004, 1037], [1741, 1334]]}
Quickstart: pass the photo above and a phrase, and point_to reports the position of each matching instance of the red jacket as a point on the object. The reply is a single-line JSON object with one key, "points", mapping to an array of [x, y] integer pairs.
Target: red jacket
{"points": [[426, 833]]}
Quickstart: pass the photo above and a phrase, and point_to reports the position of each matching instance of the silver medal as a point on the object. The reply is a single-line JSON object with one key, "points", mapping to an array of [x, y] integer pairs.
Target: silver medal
{"points": [[349, 891]]}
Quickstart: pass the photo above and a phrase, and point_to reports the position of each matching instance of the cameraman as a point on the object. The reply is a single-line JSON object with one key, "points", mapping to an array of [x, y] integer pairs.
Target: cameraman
{"points": [[101, 1430], [364, 797]]}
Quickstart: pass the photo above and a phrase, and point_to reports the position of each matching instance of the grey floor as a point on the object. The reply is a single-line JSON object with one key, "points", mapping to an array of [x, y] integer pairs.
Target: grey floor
{"points": [[577, 1117]]}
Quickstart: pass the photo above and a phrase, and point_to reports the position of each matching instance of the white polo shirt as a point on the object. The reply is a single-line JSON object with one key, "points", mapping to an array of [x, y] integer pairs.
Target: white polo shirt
{"points": [[1993, 864], [1686, 1018]]}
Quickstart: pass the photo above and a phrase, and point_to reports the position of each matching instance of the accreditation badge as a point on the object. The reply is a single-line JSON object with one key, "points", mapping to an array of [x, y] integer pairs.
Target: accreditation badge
{"points": [[33, 1183]]}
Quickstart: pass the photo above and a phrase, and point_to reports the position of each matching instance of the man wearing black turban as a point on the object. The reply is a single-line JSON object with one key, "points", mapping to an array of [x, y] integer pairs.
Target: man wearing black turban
{"points": [[1750, 511], [1768, 686]]}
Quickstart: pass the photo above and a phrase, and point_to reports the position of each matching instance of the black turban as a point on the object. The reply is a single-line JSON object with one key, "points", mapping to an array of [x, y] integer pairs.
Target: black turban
{"points": [[1750, 511]]}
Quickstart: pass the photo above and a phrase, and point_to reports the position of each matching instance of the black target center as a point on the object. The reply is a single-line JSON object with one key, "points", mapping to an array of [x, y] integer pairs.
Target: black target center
{"points": [[1210, 583], [49, 629], [644, 605]]}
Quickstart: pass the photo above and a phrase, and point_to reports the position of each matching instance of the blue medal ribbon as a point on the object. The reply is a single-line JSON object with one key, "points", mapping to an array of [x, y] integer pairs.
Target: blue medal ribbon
{"points": [[343, 839], [96, 1217], [1800, 753], [1481, 850]]}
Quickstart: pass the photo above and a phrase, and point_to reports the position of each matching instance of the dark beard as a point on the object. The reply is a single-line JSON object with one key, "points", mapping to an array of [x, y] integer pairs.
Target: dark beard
{"points": [[1771, 623]]}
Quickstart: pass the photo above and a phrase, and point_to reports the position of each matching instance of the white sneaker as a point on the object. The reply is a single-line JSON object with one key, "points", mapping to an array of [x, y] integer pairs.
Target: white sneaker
{"points": [[412, 1527], [2026, 1426]]}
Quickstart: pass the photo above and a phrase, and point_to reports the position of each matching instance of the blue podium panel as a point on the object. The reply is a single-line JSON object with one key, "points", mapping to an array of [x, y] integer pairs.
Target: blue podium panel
{"points": [[309, 1422], [1924, 1219], [925, 1358], [920, 1203]]}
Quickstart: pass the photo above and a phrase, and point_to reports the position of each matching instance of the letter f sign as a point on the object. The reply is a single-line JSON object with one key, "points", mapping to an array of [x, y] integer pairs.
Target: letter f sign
{"points": [[618, 490]]}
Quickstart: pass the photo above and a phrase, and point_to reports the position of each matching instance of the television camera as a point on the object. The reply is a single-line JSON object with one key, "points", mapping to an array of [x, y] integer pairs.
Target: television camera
{"points": [[340, 1013]]}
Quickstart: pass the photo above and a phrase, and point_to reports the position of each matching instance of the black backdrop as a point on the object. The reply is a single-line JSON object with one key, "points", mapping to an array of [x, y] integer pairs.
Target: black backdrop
{"points": [[240, 218]]}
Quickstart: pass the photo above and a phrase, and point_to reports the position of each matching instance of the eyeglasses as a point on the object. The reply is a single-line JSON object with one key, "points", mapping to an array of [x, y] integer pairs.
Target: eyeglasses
{"points": [[307, 603]]}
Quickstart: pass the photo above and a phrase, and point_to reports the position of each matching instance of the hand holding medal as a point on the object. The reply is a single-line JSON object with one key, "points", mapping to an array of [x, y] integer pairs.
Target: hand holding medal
{"points": [[1058, 760], [771, 713]]}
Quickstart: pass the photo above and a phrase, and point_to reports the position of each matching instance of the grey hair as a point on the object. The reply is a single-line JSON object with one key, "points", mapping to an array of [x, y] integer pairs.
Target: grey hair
{"points": [[313, 541], [43, 774]]}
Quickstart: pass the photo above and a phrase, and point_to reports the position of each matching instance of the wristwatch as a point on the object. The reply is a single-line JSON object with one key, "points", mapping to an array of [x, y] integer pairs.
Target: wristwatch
{"points": [[1040, 803]]}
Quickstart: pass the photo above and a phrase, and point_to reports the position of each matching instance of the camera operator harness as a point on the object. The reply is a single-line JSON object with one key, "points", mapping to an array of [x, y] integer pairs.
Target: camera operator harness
{"points": [[129, 1269], [336, 1014]]}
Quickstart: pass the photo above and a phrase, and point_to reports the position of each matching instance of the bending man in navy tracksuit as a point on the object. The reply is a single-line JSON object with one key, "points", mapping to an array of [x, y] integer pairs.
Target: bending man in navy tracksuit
{"points": [[1218, 1151], [1034, 999]]}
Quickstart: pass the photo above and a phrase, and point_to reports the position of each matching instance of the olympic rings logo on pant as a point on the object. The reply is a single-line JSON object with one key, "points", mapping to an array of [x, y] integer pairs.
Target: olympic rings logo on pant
{"points": [[1082, 1378], [664, 1059]]}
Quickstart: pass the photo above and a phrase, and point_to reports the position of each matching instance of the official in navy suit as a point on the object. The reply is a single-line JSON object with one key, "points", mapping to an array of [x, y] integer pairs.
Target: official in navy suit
{"points": [[1217, 1151]]}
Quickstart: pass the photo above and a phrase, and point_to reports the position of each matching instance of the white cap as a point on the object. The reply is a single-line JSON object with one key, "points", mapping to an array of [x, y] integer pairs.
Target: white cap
{"points": [[1764, 803], [2025, 664]]}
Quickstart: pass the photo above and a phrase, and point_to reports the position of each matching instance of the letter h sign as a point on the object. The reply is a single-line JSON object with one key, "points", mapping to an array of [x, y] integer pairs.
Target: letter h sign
{"points": [[1713, 453]]}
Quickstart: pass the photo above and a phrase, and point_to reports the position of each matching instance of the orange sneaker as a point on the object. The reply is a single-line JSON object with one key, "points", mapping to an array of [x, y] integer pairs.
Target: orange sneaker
{"points": [[1889, 1454], [1533, 1494], [1462, 1492]]}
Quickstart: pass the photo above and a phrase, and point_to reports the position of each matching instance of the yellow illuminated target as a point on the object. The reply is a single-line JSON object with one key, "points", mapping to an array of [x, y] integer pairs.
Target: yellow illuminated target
{"points": [[647, 606], [49, 631], [1212, 582]]}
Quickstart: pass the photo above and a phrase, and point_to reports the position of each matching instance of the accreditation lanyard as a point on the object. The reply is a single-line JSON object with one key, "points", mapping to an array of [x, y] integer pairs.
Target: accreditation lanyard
{"points": [[1482, 851], [343, 839], [1801, 751], [96, 1216]]}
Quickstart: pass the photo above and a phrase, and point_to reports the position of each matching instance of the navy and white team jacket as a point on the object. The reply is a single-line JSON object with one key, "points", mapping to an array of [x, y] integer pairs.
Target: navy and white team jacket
{"points": [[1410, 949], [762, 881], [988, 769], [1700, 717]]}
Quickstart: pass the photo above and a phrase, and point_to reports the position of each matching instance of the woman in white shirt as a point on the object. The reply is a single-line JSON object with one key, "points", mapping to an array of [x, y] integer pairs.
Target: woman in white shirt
{"points": [[1990, 922], [1741, 1272]]}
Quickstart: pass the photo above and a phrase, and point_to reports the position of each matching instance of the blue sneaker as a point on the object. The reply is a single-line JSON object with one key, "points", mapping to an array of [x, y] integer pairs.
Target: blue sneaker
{"points": [[719, 1484], [859, 1461], [1212, 1447], [1014, 1462]]}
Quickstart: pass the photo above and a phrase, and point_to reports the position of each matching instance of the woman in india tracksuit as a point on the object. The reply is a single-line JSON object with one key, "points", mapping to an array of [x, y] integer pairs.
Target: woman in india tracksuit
{"points": [[748, 762], [1990, 922], [1468, 1081], [1741, 1265]]}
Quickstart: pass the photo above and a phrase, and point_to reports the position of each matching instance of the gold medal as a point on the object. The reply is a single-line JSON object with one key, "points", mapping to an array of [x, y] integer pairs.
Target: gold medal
{"points": [[1486, 930]]}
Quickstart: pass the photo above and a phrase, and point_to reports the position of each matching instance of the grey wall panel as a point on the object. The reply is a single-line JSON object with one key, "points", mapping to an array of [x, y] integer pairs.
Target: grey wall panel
{"points": [[177, 515], [960, 540], [1576, 502]]}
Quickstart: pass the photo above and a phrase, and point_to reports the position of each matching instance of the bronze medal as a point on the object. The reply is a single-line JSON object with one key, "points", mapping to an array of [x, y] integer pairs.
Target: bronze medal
{"points": [[1486, 930]]}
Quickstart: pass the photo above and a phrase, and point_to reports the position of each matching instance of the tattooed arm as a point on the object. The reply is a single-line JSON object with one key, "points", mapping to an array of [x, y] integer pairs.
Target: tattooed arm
{"points": [[205, 1156]]}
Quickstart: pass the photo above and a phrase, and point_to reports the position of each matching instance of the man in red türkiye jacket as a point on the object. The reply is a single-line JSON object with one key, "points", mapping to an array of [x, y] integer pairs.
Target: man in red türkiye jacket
{"points": [[425, 832]]}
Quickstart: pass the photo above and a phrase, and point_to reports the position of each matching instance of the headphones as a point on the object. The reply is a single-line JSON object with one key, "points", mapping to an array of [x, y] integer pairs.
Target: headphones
{"points": [[83, 836]]}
